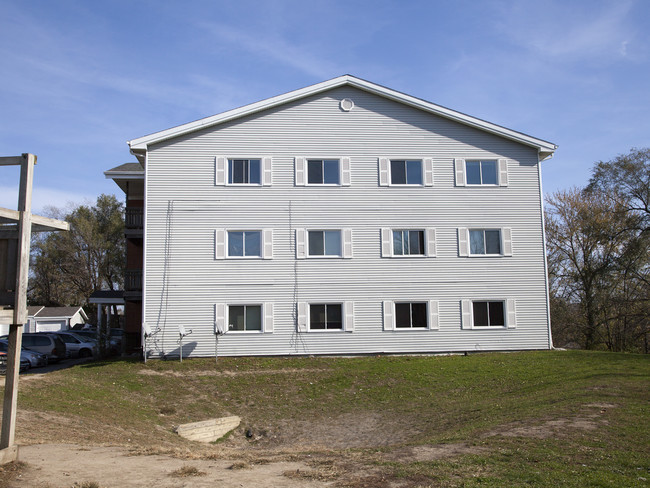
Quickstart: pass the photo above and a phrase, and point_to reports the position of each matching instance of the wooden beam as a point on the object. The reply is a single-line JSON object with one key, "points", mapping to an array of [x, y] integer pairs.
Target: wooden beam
{"points": [[11, 160], [39, 223], [10, 403]]}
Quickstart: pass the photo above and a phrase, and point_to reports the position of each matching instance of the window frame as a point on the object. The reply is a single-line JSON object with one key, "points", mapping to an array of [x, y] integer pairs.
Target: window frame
{"points": [[326, 305], [229, 171], [460, 171], [322, 161], [390, 316], [324, 234], [505, 242], [301, 171], [303, 316], [484, 230], [388, 247], [222, 317], [481, 161], [246, 306], [221, 244], [423, 233], [509, 313], [244, 232], [302, 244], [405, 161]]}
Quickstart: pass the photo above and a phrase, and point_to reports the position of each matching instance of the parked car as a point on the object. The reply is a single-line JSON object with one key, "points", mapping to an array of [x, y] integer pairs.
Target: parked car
{"points": [[46, 343], [36, 359], [114, 344], [24, 363], [78, 346]]}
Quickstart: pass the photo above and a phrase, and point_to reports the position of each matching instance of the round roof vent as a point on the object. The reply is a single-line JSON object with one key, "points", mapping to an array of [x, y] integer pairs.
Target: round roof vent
{"points": [[346, 104]]}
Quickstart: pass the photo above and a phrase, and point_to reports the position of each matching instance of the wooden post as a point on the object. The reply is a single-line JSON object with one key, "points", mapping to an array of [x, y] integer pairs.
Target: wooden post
{"points": [[20, 307]]}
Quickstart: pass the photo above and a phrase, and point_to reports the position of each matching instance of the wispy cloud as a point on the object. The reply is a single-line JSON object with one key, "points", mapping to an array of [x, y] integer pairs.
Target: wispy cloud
{"points": [[568, 30], [278, 49]]}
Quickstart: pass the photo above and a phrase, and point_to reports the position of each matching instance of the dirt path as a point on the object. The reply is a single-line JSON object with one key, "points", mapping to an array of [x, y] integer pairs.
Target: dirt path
{"points": [[62, 465]]}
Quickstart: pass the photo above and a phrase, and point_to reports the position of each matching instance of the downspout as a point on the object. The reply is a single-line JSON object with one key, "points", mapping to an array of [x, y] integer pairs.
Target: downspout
{"points": [[541, 205]]}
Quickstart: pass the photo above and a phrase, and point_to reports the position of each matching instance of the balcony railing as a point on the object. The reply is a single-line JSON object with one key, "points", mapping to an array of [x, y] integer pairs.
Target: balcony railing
{"points": [[133, 217], [133, 280]]}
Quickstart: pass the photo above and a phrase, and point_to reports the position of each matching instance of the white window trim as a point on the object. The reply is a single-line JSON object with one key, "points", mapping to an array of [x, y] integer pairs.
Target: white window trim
{"points": [[221, 317], [302, 244], [222, 168], [460, 170], [464, 249], [433, 316], [430, 244], [304, 318], [301, 173], [221, 237], [509, 312], [426, 172]]}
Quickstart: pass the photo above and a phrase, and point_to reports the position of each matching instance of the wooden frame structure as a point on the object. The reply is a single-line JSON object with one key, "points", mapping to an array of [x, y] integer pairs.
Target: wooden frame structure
{"points": [[16, 227]]}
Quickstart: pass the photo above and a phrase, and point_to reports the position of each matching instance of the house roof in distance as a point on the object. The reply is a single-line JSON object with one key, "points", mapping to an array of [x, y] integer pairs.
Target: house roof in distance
{"points": [[139, 146], [55, 312]]}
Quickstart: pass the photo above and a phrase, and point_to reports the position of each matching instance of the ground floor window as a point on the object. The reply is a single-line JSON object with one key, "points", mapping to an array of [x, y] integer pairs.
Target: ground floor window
{"points": [[410, 315], [489, 314], [325, 316], [245, 317]]}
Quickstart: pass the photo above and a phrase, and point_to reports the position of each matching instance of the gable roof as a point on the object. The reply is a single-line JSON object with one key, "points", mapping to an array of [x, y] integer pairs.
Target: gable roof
{"points": [[55, 312], [139, 146]]}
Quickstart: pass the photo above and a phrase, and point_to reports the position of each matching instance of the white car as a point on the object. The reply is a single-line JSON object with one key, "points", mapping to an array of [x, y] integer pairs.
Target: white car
{"points": [[78, 346]]}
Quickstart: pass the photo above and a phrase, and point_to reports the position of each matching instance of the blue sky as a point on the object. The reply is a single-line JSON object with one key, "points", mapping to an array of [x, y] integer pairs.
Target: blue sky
{"points": [[79, 78]]}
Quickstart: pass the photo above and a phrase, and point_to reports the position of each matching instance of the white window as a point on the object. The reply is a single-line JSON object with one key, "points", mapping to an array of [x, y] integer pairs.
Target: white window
{"points": [[242, 171], [408, 242], [481, 172], [491, 313], [243, 317], [323, 243], [325, 316], [485, 242], [243, 244], [401, 172], [410, 315], [322, 172]]}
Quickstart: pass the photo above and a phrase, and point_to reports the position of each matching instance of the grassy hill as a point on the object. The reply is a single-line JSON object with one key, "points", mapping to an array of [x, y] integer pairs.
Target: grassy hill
{"points": [[520, 419]]}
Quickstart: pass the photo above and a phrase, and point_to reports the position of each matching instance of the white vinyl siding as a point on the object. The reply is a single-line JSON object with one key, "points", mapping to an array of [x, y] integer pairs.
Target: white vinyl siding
{"points": [[187, 270]]}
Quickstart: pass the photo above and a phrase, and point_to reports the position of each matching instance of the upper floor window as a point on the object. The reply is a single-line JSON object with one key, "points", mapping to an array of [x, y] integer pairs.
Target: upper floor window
{"points": [[484, 241], [323, 171], [483, 172], [316, 171], [244, 171], [405, 172], [408, 242], [324, 242], [244, 243]]}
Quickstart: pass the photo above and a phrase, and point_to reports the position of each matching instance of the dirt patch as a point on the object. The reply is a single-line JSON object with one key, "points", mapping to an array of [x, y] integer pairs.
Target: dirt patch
{"points": [[180, 374], [591, 420], [57, 465], [432, 452]]}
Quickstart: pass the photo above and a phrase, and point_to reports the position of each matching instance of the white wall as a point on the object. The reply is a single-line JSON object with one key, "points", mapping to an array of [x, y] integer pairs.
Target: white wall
{"points": [[183, 281]]}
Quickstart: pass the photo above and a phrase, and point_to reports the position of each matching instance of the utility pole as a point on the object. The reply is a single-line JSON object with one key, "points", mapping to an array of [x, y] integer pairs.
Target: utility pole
{"points": [[15, 236]]}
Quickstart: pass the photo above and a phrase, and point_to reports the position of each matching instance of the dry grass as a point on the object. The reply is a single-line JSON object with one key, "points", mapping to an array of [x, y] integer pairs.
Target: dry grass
{"points": [[186, 472], [9, 472]]}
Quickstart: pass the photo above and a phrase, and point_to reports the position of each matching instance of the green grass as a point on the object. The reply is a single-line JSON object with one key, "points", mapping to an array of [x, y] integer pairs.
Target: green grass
{"points": [[435, 399]]}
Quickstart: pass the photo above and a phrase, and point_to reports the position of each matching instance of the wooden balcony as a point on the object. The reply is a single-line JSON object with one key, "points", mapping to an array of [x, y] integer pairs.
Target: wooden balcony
{"points": [[133, 221], [133, 280]]}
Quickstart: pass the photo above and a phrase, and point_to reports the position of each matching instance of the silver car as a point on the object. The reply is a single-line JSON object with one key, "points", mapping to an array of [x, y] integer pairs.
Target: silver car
{"points": [[78, 346]]}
